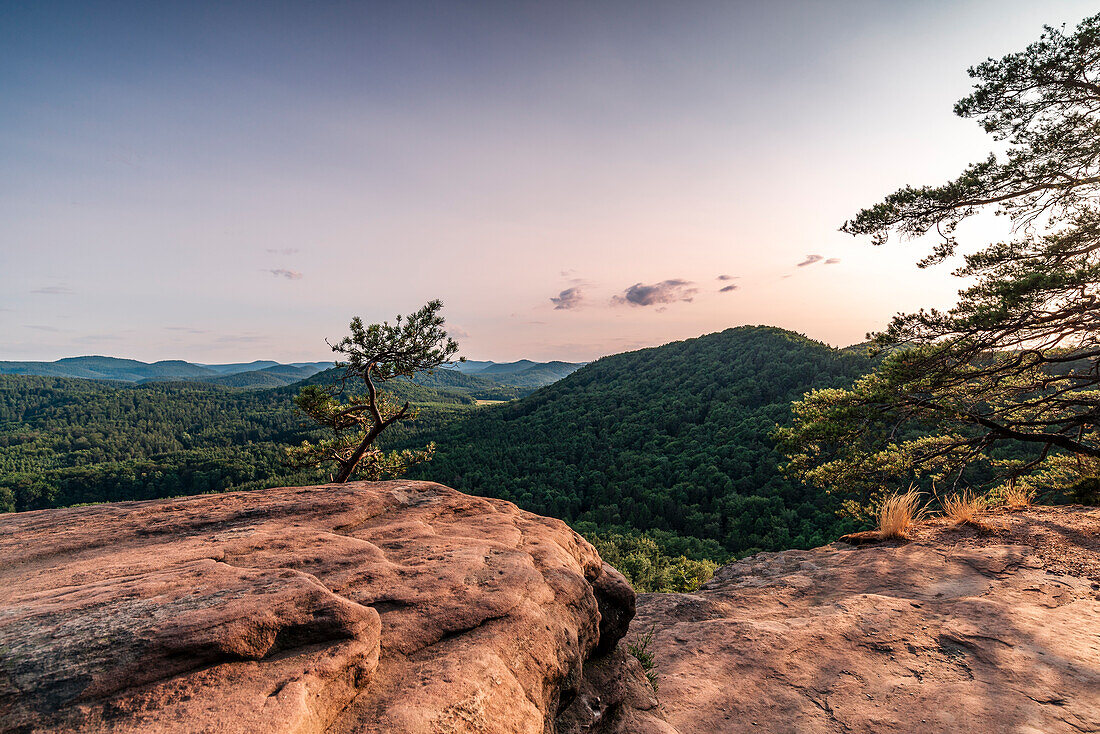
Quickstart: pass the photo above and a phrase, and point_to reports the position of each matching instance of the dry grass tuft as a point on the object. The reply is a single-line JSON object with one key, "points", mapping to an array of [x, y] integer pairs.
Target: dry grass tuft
{"points": [[966, 508], [899, 513], [1017, 498]]}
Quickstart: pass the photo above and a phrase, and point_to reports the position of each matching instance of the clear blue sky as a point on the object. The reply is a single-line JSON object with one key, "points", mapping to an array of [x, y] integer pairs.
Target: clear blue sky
{"points": [[228, 181]]}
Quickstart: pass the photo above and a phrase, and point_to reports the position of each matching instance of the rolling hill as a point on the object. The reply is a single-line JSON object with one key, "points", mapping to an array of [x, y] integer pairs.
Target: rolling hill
{"points": [[67, 441], [673, 439], [523, 373], [131, 370], [481, 380], [441, 383], [109, 368]]}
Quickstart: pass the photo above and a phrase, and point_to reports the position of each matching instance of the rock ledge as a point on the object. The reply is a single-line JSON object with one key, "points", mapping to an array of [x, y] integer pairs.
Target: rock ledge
{"points": [[367, 607], [952, 632]]}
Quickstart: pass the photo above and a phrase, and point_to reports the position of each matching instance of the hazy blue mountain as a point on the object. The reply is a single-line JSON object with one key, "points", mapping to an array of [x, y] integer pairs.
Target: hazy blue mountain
{"points": [[317, 365], [476, 386], [538, 375], [45, 369], [109, 368], [469, 366], [278, 375], [523, 373], [478, 380], [442, 385], [505, 368], [230, 369], [254, 380], [131, 370], [291, 372]]}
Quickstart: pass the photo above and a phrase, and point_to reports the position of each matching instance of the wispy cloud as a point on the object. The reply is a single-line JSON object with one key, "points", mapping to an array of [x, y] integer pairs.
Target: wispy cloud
{"points": [[728, 277], [284, 273], [810, 260], [832, 261], [655, 294], [241, 338], [186, 330], [97, 338], [54, 290], [283, 251], [568, 299], [728, 288], [42, 327]]}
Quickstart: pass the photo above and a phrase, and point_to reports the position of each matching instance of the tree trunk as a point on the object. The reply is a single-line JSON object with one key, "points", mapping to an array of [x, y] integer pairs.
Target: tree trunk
{"points": [[347, 468]]}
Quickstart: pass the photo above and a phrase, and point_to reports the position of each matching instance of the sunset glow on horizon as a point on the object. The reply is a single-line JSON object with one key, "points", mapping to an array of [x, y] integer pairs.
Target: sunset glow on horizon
{"points": [[204, 182]]}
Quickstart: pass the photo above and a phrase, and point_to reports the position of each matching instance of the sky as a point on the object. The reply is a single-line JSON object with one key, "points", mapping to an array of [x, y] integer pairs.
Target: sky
{"points": [[228, 181]]}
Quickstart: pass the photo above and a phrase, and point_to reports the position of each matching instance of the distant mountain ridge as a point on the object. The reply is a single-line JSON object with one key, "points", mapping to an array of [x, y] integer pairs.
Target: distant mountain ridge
{"points": [[481, 380], [263, 373], [522, 373]]}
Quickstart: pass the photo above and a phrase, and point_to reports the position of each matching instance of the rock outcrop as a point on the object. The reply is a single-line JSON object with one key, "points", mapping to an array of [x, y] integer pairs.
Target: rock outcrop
{"points": [[410, 607], [368, 607], [956, 631]]}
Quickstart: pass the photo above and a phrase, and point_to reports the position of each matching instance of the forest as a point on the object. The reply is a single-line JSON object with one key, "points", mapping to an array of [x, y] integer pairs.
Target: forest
{"points": [[673, 441], [71, 441]]}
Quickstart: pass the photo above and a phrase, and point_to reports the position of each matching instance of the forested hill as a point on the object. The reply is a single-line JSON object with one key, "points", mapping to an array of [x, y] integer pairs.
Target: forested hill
{"points": [[68, 441], [673, 438]]}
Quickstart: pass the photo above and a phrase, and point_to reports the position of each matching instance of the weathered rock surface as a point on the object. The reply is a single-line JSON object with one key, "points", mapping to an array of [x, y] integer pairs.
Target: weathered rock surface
{"points": [[368, 607], [953, 632]]}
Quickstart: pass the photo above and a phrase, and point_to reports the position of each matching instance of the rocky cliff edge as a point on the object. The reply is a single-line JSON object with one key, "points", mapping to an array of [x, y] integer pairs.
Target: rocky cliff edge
{"points": [[367, 607]]}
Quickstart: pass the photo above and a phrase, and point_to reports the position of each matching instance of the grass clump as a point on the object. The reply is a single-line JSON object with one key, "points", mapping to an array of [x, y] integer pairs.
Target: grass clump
{"points": [[639, 648], [1016, 497], [898, 514], [966, 508]]}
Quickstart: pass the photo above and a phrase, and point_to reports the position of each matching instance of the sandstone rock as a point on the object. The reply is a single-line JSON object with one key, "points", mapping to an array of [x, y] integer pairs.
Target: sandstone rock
{"points": [[614, 698], [952, 632], [367, 607]]}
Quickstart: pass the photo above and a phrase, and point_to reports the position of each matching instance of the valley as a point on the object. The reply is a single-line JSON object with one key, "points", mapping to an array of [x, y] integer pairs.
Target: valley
{"points": [[670, 442]]}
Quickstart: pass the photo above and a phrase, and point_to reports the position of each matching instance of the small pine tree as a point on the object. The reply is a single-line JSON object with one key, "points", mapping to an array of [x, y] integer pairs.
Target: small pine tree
{"points": [[374, 354]]}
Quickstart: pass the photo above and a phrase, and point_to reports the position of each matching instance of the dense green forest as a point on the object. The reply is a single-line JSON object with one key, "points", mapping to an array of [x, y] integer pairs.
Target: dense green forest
{"points": [[674, 440], [68, 441]]}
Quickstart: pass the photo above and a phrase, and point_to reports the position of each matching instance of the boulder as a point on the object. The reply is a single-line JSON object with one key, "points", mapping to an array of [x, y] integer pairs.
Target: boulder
{"points": [[365, 607]]}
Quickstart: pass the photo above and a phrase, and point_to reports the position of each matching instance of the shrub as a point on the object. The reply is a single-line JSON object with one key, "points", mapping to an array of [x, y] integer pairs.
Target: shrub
{"points": [[647, 568]]}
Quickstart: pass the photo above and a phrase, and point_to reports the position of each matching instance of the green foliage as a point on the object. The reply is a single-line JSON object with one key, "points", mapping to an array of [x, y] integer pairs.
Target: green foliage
{"points": [[1004, 386], [667, 447], [381, 352], [640, 559], [639, 648], [674, 439], [478, 388], [69, 441], [349, 422], [375, 354]]}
